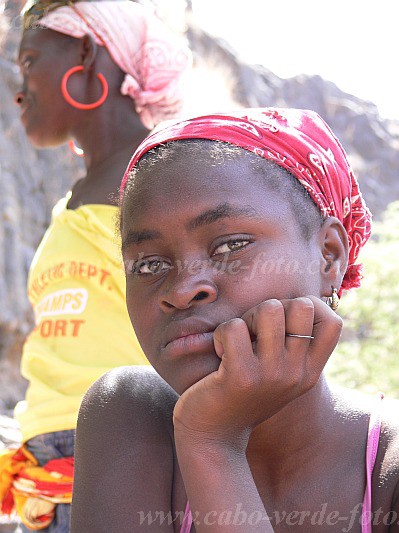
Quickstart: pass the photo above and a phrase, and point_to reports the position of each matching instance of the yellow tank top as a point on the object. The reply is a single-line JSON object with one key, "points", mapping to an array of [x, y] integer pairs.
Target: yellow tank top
{"points": [[77, 288]]}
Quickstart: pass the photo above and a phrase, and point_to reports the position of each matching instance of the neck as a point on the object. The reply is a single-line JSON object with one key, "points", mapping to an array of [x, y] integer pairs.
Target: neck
{"points": [[108, 139], [297, 431], [109, 134], [322, 433]]}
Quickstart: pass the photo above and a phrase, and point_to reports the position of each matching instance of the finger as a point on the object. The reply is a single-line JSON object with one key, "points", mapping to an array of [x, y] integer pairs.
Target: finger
{"points": [[299, 317], [233, 344], [266, 324], [298, 320], [327, 327]]}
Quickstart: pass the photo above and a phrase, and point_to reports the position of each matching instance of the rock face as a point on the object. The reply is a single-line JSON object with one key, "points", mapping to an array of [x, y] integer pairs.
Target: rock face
{"points": [[9, 432], [31, 181], [9, 436], [9, 526], [371, 143]]}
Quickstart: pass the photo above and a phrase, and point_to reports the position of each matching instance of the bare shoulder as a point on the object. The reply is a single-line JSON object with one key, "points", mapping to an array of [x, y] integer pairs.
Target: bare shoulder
{"points": [[385, 481], [364, 405], [390, 425], [125, 399], [385, 476], [124, 452], [126, 386], [389, 471]]}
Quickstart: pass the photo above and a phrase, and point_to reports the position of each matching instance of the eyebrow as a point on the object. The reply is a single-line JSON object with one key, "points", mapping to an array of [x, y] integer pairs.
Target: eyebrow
{"points": [[22, 50], [137, 237], [220, 212]]}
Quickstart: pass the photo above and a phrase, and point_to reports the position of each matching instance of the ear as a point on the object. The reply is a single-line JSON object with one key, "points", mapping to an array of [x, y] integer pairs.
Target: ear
{"points": [[88, 51], [334, 247]]}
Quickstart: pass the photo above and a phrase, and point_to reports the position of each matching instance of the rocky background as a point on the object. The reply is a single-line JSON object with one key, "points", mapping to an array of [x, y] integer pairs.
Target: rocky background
{"points": [[31, 181]]}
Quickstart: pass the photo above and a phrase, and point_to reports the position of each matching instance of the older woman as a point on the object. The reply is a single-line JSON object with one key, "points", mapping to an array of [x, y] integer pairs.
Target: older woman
{"points": [[101, 73]]}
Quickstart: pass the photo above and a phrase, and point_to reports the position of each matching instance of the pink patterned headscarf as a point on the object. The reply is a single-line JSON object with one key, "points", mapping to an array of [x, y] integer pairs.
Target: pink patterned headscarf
{"points": [[153, 58], [297, 140]]}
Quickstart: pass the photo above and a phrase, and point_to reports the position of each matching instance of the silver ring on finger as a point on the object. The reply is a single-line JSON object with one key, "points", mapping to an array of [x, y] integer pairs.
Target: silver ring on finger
{"points": [[299, 336]]}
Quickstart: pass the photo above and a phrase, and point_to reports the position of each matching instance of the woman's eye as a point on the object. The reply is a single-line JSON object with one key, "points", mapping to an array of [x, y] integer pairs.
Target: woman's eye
{"points": [[152, 266], [231, 246]]}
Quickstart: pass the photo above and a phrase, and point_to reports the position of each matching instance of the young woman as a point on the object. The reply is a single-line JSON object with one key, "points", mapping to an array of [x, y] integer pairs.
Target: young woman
{"points": [[239, 234], [101, 73]]}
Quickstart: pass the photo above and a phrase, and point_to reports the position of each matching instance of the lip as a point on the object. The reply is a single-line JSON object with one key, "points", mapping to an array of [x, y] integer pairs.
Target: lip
{"points": [[196, 343], [188, 336]]}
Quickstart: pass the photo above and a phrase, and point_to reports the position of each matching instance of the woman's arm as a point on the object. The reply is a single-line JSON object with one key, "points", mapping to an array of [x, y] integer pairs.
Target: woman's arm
{"points": [[124, 454], [221, 490], [261, 372]]}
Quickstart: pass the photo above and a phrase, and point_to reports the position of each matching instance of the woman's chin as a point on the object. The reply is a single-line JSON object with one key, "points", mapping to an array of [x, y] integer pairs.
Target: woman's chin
{"points": [[36, 139], [41, 138], [192, 373]]}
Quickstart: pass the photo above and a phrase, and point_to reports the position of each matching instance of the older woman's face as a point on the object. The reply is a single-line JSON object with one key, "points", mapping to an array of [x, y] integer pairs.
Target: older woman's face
{"points": [[202, 244], [44, 57]]}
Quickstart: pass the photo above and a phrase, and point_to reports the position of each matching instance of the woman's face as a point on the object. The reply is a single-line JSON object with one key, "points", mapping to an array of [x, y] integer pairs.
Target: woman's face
{"points": [[44, 57], [202, 244]]}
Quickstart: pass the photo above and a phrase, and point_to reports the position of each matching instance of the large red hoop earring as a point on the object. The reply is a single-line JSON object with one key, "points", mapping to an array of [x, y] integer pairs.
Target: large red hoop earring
{"points": [[73, 102]]}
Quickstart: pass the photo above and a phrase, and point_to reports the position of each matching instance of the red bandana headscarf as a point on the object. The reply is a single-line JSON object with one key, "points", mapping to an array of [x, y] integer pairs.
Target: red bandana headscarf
{"points": [[297, 140]]}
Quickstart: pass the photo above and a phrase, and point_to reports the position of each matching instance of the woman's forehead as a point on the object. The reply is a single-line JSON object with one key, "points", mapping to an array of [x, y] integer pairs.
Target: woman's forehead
{"points": [[190, 177], [201, 165], [183, 188], [36, 35], [42, 39]]}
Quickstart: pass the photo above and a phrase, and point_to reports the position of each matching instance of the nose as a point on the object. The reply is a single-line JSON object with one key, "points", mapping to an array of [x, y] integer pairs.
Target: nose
{"points": [[186, 291], [19, 97]]}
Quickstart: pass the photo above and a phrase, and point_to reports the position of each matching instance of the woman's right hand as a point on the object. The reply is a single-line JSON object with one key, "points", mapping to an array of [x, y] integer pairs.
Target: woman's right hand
{"points": [[261, 370]]}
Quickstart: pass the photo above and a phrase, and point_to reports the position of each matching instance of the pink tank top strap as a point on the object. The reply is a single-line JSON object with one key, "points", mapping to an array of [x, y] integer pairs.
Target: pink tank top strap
{"points": [[187, 520], [373, 438]]}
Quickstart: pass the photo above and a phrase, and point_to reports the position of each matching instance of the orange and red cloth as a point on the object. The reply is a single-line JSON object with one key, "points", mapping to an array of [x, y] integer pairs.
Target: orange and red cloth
{"points": [[33, 491]]}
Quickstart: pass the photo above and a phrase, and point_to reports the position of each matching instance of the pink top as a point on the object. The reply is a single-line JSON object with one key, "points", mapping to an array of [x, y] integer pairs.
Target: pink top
{"points": [[371, 454], [187, 520], [373, 437]]}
